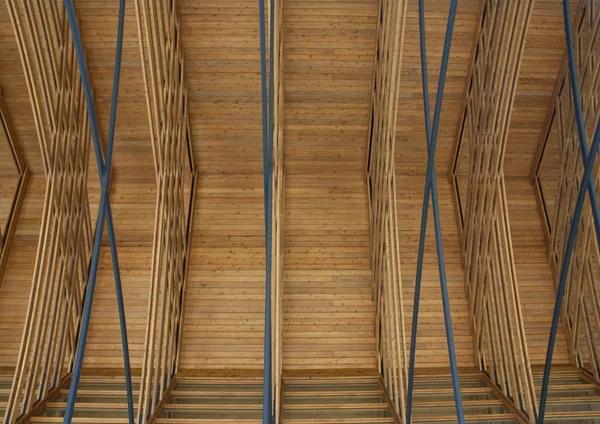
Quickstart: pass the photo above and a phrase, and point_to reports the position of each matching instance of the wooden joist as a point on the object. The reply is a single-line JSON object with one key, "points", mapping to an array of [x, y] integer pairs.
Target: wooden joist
{"points": [[49, 336], [381, 184], [488, 258], [171, 138]]}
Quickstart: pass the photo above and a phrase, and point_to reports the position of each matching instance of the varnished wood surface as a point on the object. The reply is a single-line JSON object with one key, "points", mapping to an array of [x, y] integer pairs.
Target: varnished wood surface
{"points": [[224, 316], [541, 61], [328, 58], [328, 319], [536, 285]]}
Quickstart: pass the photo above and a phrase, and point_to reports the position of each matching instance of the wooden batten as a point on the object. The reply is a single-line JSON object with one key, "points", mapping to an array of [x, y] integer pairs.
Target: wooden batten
{"points": [[487, 253], [167, 102], [556, 177], [385, 257]]}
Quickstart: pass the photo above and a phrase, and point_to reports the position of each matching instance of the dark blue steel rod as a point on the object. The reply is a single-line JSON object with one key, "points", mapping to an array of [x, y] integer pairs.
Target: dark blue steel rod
{"points": [[266, 121], [578, 108], [431, 188], [586, 185], [103, 212]]}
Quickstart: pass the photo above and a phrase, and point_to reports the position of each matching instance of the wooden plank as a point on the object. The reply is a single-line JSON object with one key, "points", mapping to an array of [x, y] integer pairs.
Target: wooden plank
{"points": [[381, 174]]}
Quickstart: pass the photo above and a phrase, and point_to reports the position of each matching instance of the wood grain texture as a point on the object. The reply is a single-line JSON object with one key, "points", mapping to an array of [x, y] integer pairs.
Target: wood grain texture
{"points": [[328, 318], [534, 274], [328, 69]]}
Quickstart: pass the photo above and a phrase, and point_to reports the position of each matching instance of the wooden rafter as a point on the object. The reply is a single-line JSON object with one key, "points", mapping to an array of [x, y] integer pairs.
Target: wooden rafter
{"points": [[167, 101], [488, 259], [60, 275], [556, 176], [381, 185]]}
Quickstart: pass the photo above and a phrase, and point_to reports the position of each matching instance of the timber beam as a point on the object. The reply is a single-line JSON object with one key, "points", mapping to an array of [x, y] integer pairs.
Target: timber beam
{"points": [[487, 254], [556, 175], [392, 355], [171, 138], [54, 311]]}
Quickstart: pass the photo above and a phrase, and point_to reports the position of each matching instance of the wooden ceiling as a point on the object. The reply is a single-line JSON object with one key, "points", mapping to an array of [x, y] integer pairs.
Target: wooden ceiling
{"points": [[328, 60]]}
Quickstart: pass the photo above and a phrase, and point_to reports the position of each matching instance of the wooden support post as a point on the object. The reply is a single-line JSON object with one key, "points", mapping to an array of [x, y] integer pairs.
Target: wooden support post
{"points": [[60, 274], [556, 174], [381, 185], [488, 259]]}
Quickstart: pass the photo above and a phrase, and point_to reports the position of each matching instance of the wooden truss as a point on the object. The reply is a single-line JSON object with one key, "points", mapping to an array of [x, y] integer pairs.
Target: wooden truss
{"points": [[480, 194], [556, 174], [167, 101], [381, 184], [61, 269]]}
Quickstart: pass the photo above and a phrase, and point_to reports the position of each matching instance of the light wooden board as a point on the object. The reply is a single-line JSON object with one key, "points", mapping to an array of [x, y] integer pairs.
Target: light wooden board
{"points": [[328, 60], [536, 285], [328, 314]]}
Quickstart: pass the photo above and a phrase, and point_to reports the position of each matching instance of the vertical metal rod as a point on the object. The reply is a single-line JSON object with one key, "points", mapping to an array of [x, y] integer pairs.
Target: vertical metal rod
{"points": [[103, 212], [266, 122]]}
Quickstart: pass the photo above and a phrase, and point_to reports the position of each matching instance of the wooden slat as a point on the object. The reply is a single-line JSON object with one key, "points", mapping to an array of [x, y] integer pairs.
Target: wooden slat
{"points": [[328, 320]]}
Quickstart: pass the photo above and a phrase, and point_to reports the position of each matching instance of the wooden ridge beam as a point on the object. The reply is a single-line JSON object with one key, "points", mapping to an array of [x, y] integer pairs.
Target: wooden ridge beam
{"points": [[487, 254]]}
